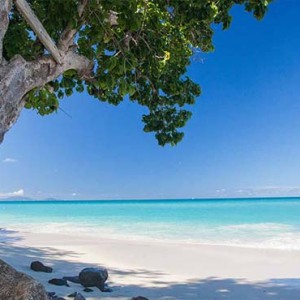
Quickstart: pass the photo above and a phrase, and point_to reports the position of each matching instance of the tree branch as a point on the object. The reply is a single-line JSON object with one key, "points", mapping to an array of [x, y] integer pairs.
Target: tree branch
{"points": [[44, 69], [5, 6], [38, 28], [19, 76], [67, 37]]}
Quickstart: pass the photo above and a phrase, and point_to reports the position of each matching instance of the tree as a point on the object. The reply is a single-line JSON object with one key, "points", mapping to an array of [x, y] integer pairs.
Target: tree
{"points": [[111, 49]]}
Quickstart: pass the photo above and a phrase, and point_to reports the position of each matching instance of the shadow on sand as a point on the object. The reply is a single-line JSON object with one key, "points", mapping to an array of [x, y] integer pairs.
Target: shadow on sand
{"points": [[156, 286]]}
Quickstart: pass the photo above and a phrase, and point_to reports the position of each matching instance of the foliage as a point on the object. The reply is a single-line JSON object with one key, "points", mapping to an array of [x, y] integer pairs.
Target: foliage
{"points": [[144, 56]]}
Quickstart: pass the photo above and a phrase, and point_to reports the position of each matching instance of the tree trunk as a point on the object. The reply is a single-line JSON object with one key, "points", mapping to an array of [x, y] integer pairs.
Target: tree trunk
{"points": [[12, 82], [5, 6], [18, 77]]}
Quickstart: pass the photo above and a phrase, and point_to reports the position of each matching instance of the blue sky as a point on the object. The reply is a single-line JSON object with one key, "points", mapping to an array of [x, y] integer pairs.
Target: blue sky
{"points": [[243, 139]]}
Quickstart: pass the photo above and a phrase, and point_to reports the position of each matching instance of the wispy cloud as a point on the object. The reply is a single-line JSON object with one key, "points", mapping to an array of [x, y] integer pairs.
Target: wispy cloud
{"points": [[260, 191], [18, 193], [9, 160], [277, 190]]}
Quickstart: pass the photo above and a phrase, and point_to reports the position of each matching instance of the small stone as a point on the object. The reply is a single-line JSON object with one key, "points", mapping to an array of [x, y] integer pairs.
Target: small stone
{"points": [[73, 295], [51, 294], [88, 290], [58, 281], [74, 279], [90, 277], [107, 290], [79, 297], [37, 266], [139, 298]]}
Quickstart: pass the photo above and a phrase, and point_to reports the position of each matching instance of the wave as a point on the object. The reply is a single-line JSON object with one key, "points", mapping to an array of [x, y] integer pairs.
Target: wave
{"points": [[258, 235], [257, 226]]}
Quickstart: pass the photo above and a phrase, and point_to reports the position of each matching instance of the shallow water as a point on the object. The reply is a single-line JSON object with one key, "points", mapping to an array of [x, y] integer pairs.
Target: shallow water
{"points": [[259, 223]]}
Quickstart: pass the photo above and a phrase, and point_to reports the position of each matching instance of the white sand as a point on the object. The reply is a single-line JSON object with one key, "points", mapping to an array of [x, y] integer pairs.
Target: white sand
{"points": [[160, 271]]}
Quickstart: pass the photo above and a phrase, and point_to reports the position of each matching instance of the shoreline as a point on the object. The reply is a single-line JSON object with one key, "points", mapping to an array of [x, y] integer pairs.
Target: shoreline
{"points": [[144, 239], [158, 270]]}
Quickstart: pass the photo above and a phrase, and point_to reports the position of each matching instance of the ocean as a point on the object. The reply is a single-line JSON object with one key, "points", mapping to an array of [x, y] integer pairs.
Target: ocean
{"points": [[258, 223]]}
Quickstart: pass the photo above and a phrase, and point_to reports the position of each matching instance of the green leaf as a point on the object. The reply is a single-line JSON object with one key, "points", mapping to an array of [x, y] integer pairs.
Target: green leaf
{"points": [[145, 55]]}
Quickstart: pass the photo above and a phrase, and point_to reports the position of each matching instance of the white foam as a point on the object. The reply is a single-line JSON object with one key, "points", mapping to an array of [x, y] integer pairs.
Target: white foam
{"points": [[257, 226], [259, 235]]}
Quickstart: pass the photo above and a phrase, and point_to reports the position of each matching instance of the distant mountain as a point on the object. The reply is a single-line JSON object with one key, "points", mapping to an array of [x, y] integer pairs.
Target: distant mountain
{"points": [[19, 198], [16, 198]]}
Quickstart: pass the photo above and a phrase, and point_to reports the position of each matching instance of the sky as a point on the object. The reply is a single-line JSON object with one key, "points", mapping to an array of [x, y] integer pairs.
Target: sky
{"points": [[242, 141]]}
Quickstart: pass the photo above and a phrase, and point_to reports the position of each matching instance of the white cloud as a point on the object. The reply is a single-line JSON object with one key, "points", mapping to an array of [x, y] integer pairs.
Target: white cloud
{"points": [[18, 193], [74, 194], [268, 191], [259, 191], [277, 190], [9, 160]]}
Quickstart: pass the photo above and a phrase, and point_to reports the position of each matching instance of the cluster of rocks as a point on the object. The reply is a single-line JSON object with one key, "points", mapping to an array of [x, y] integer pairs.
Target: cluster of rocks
{"points": [[15, 285], [88, 277], [75, 296]]}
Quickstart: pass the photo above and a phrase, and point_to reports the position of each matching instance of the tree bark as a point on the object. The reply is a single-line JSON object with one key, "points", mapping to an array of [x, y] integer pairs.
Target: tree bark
{"points": [[24, 8], [18, 77], [67, 37], [5, 6]]}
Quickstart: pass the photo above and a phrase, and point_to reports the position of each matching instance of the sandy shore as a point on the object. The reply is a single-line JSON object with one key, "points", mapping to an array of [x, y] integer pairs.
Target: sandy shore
{"points": [[160, 271]]}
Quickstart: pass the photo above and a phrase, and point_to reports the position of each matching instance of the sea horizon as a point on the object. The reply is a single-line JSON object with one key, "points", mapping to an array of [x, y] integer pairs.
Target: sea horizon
{"points": [[28, 199]]}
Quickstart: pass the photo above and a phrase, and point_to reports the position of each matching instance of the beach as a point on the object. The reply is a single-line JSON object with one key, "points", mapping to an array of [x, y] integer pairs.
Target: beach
{"points": [[180, 249], [156, 269]]}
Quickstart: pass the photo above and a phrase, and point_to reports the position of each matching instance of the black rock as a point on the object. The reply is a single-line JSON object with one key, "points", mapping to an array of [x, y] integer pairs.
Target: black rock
{"points": [[79, 297], [139, 298], [73, 295], [51, 294], [58, 281], [40, 267], [88, 290], [74, 279], [107, 289], [90, 277]]}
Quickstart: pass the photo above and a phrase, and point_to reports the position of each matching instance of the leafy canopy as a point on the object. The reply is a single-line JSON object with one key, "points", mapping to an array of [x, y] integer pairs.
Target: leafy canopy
{"points": [[140, 48]]}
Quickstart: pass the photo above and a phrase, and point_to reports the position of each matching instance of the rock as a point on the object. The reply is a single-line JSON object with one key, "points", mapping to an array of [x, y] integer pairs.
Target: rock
{"points": [[73, 295], [51, 295], [79, 297], [15, 285], [39, 267], [139, 298], [88, 290], [74, 279], [107, 289], [90, 277], [58, 281]]}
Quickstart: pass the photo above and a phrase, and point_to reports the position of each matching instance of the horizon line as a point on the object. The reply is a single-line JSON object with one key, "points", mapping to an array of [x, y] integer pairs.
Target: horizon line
{"points": [[149, 199]]}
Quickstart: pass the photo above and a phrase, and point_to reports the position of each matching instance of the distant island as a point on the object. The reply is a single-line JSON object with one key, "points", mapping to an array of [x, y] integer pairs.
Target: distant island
{"points": [[21, 198]]}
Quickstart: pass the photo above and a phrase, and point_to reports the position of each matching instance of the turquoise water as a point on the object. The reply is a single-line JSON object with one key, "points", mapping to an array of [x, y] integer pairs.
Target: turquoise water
{"points": [[263, 223]]}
